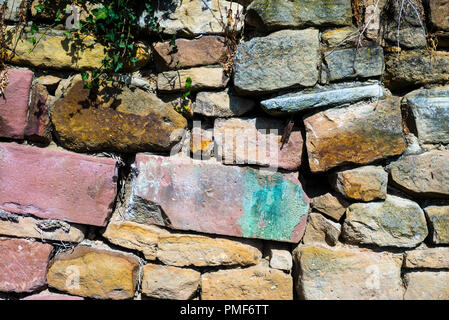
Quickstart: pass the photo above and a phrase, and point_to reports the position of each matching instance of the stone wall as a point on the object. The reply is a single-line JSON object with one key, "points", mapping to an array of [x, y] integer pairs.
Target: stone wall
{"points": [[317, 168]]}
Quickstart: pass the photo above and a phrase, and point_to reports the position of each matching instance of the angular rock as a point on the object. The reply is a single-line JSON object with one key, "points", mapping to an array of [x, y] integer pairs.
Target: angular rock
{"points": [[203, 78], [339, 37], [188, 194], [365, 183], [439, 14], [345, 273], [38, 125], [51, 296], [23, 265], [358, 134], [170, 283], [280, 257], [129, 121], [96, 273], [409, 37], [13, 9], [330, 205], [363, 62], [254, 283], [427, 286], [54, 184], [190, 53], [439, 223], [284, 59], [277, 14], [14, 104], [424, 174], [396, 222], [221, 104], [322, 96], [431, 258], [257, 141], [321, 230], [430, 109]]}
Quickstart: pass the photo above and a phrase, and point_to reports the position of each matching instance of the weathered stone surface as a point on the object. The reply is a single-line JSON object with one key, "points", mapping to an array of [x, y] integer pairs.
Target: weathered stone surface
{"points": [[201, 142], [430, 109], [321, 230], [346, 273], [322, 96], [396, 222], [424, 174], [184, 250], [282, 60], [330, 205], [203, 78], [277, 14], [357, 134], [51, 296], [363, 62], [416, 67], [221, 104], [365, 183], [439, 223], [53, 184], [128, 122], [38, 124], [14, 104], [339, 37], [427, 286], [190, 53], [193, 18], [432, 258], [254, 283], [192, 196], [13, 9], [28, 227], [171, 283], [280, 257], [257, 141], [103, 274], [409, 37], [23, 264], [439, 14]]}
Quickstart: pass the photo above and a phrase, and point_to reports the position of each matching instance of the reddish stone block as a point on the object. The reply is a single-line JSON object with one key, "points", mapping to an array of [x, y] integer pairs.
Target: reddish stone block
{"points": [[38, 125], [53, 184]]}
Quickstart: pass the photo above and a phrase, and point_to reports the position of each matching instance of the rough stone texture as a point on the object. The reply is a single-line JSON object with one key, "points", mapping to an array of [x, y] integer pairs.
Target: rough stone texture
{"points": [[322, 96], [321, 230], [345, 273], [203, 78], [430, 109], [201, 142], [23, 265], [357, 134], [330, 205], [54, 184], [427, 286], [365, 183], [12, 10], [278, 14], [254, 283], [439, 223], [280, 259], [192, 196], [28, 227], [338, 37], [221, 104], [38, 124], [396, 222], [14, 104], [103, 274], [416, 68], [190, 53], [409, 37], [431, 258], [424, 174], [257, 141], [129, 122], [170, 283], [282, 60], [51, 296], [364, 62], [439, 14]]}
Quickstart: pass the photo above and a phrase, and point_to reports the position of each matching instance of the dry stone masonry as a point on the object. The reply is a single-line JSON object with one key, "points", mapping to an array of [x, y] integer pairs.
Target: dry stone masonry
{"points": [[309, 158]]}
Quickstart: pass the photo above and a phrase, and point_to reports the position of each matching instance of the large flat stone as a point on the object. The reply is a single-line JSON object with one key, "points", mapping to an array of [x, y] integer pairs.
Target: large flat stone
{"points": [[431, 258], [282, 60], [359, 134], [222, 104], [54, 184], [423, 174], [427, 286], [439, 223], [23, 265], [188, 194], [430, 109], [322, 96]]}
